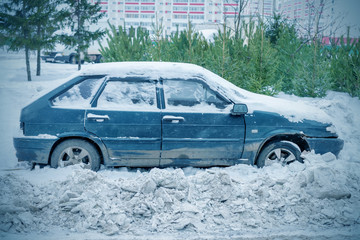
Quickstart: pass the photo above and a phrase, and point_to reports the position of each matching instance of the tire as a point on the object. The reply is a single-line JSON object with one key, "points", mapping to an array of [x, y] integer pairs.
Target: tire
{"points": [[98, 59], [283, 152], [72, 60], [75, 151]]}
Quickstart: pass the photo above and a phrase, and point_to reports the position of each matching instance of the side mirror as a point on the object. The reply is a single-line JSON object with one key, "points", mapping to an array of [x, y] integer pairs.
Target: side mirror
{"points": [[239, 109]]}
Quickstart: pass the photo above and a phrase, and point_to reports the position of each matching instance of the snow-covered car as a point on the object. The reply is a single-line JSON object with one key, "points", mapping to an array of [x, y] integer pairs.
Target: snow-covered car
{"points": [[68, 56], [156, 114]]}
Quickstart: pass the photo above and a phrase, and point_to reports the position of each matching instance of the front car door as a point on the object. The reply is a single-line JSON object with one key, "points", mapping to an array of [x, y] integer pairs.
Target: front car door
{"points": [[126, 116], [197, 127]]}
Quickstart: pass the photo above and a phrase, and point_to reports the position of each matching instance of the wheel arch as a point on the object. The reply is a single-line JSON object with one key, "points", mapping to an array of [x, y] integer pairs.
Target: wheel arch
{"points": [[99, 146], [298, 139]]}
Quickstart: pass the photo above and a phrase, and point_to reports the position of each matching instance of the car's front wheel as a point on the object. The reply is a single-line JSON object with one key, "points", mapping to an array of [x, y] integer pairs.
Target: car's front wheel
{"points": [[283, 152], [75, 151]]}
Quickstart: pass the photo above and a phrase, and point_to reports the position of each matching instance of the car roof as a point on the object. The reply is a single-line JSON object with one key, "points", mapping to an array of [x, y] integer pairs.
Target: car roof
{"points": [[146, 69], [157, 70]]}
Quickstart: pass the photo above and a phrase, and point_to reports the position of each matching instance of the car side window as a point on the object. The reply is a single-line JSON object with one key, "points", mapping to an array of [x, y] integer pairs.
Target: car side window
{"points": [[79, 95], [128, 95], [191, 93]]}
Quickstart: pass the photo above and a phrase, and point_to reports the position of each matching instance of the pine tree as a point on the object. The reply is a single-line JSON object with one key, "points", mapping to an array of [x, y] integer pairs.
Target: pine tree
{"points": [[158, 28], [274, 28], [312, 75], [262, 63], [178, 46], [81, 14], [172, 48], [345, 66], [218, 59], [237, 66], [123, 46], [48, 21], [283, 37], [188, 45], [17, 21]]}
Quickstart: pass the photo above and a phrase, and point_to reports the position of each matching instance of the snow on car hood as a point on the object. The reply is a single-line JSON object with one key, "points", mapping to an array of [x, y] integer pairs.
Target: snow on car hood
{"points": [[293, 110]]}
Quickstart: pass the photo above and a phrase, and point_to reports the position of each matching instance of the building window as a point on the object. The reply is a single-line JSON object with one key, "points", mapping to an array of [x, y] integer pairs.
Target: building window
{"points": [[179, 25], [196, 9], [180, 8], [178, 16], [148, 8], [131, 15], [146, 16], [196, 17], [134, 24], [131, 8], [145, 24]]}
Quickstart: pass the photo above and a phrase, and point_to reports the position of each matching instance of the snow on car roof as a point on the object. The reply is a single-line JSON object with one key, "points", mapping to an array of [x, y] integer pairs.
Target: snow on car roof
{"points": [[294, 111], [157, 70], [154, 70]]}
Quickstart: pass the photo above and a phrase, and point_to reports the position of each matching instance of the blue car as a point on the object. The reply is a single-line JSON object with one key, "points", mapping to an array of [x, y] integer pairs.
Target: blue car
{"points": [[146, 114]]}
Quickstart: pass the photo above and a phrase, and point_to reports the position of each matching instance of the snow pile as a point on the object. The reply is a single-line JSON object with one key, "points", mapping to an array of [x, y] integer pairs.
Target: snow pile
{"points": [[322, 192]]}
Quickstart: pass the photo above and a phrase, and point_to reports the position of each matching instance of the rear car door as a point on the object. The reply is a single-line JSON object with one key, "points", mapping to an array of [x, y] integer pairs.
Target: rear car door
{"points": [[125, 115], [197, 127]]}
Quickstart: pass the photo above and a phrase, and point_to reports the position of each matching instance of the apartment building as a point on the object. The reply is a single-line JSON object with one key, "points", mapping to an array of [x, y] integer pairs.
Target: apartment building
{"points": [[175, 14], [305, 12]]}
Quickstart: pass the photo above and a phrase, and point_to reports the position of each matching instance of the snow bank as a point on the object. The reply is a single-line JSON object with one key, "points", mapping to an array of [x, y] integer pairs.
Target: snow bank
{"points": [[319, 193]]}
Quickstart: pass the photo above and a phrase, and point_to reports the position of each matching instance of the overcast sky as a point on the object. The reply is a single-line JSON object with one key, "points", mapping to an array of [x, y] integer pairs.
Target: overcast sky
{"points": [[350, 9]]}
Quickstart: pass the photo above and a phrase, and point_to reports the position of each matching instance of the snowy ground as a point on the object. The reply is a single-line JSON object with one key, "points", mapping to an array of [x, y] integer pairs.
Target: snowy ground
{"points": [[319, 199]]}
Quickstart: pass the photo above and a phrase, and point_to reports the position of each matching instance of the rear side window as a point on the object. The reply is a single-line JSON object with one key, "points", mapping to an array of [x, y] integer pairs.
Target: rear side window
{"points": [[128, 95], [79, 95]]}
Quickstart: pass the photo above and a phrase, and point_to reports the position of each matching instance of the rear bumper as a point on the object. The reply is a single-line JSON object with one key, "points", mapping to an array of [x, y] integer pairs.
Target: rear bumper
{"points": [[324, 145], [33, 149]]}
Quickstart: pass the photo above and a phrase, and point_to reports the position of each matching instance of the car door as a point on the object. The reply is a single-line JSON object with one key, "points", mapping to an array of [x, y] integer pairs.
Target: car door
{"points": [[125, 115], [197, 127]]}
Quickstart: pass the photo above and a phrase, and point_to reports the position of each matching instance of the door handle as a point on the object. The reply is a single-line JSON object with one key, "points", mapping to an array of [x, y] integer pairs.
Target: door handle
{"points": [[97, 118], [173, 119]]}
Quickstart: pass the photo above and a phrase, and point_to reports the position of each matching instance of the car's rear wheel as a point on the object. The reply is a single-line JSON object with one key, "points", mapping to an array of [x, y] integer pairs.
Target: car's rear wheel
{"points": [[75, 151], [283, 152], [72, 60]]}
